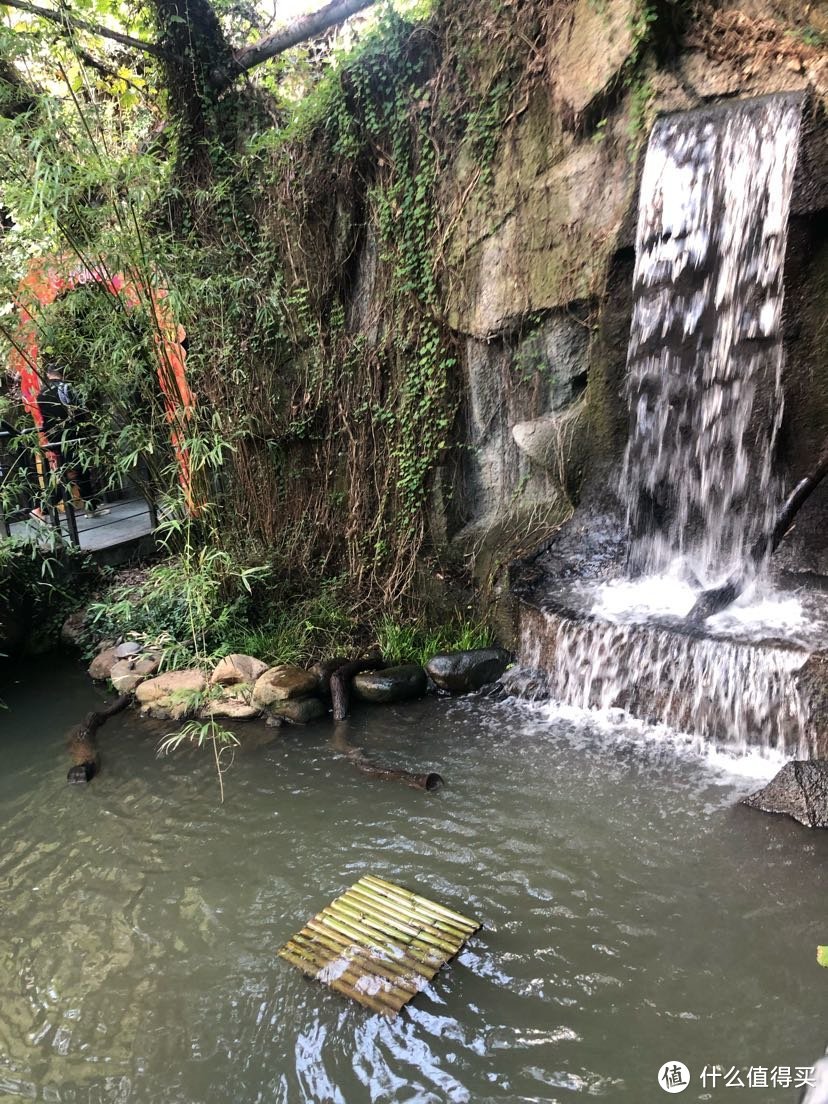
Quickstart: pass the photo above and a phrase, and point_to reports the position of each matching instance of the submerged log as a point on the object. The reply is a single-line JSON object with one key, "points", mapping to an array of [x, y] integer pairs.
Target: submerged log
{"points": [[81, 741], [341, 682], [428, 780], [417, 780], [716, 599]]}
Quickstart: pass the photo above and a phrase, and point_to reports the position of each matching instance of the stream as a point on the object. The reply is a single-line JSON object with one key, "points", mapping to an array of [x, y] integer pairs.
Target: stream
{"points": [[633, 913]]}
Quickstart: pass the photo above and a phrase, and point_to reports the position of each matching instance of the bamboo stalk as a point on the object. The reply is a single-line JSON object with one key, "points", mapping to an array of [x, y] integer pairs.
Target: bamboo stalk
{"points": [[450, 914], [361, 917], [405, 980], [387, 906], [389, 991], [380, 908], [396, 905], [368, 928], [401, 978], [397, 975], [407, 915], [378, 936], [363, 998], [393, 950], [359, 924], [397, 952], [407, 927], [365, 920], [403, 968], [415, 900], [349, 977]]}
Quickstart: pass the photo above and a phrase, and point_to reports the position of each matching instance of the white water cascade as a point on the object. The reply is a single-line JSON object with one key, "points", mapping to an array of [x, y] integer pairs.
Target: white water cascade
{"points": [[697, 483], [705, 355]]}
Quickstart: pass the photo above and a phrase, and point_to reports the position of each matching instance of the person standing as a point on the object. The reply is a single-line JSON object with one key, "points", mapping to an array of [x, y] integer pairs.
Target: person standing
{"points": [[60, 413]]}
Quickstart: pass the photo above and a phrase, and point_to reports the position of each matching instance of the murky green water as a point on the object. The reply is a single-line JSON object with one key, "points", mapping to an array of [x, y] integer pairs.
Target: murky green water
{"points": [[632, 914]]}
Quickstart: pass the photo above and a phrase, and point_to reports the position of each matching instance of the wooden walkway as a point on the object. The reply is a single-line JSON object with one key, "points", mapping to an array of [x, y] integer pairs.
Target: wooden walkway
{"points": [[126, 523]]}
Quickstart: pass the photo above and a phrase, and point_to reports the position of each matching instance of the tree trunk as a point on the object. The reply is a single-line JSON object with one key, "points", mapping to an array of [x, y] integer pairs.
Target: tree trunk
{"points": [[417, 780]]}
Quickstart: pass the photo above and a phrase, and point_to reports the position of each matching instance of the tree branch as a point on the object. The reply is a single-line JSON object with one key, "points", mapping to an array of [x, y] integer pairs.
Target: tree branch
{"points": [[64, 17], [298, 30], [105, 70]]}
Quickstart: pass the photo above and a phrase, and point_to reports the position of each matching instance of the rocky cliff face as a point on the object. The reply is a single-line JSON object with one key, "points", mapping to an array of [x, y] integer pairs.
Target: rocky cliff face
{"points": [[531, 251], [543, 266]]}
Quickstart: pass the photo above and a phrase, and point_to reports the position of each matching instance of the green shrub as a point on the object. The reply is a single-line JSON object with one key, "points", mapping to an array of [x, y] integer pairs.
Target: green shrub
{"points": [[40, 585], [416, 642], [191, 604]]}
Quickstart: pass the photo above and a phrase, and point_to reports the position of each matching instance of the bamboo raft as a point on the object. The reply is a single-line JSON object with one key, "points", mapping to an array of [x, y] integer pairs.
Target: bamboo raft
{"points": [[378, 944]]}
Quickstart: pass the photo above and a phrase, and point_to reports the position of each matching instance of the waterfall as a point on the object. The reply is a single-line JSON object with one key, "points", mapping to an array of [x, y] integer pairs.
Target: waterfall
{"points": [[732, 694], [697, 483], [705, 352]]}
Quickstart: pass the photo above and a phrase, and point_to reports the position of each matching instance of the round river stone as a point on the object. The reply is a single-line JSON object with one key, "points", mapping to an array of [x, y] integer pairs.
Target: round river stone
{"points": [[462, 672], [392, 684]]}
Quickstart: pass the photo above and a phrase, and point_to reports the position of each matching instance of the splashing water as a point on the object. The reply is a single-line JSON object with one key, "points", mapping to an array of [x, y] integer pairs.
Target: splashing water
{"points": [[731, 694]]}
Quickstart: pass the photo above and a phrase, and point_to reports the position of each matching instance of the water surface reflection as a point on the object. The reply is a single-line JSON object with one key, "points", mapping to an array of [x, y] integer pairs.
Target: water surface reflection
{"points": [[632, 913]]}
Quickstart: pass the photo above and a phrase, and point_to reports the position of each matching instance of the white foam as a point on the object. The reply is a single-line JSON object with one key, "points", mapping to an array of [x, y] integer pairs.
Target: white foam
{"points": [[618, 726], [753, 616]]}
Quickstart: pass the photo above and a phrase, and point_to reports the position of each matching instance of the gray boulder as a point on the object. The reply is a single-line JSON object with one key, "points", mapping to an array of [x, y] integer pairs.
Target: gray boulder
{"points": [[462, 672], [799, 790], [229, 705], [173, 696], [236, 668], [71, 632], [392, 684], [127, 674], [298, 711]]}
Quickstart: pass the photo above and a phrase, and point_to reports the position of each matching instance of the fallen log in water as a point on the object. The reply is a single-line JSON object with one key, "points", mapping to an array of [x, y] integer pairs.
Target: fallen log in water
{"points": [[716, 599], [341, 682], [429, 780], [417, 780], [81, 741]]}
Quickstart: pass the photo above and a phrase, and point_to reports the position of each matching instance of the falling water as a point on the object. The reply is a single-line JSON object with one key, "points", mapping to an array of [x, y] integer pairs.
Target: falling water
{"points": [[697, 482], [731, 693], [705, 352]]}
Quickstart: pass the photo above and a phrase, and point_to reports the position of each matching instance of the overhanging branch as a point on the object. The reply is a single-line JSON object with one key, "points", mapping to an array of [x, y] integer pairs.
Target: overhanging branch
{"points": [[291, 34], [64, 17], [298, 30]]}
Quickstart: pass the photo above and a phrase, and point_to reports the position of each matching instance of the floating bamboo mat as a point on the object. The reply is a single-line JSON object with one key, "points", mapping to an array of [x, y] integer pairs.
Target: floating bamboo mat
{"points": [[378, 944]]}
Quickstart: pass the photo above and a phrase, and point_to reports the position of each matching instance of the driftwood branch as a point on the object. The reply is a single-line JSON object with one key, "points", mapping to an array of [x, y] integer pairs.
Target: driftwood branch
{"points": [[81, 741], [428, 780], [298, 30], [790, 508], [719, 598], [341, 683], [291, 34], [424, 780]]}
